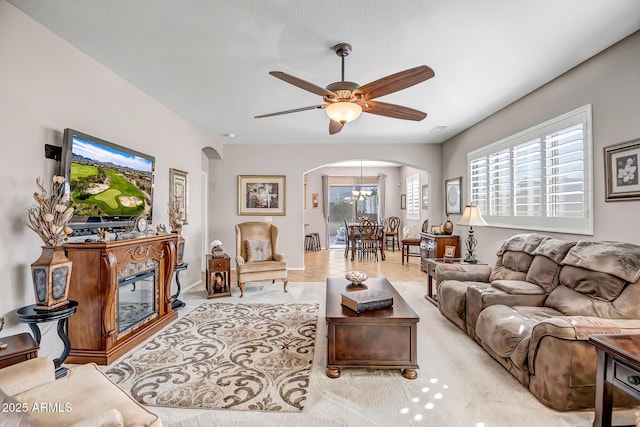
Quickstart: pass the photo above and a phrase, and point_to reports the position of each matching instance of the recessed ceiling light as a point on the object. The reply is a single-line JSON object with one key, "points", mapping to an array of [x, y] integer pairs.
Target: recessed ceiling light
{"points": [[438, 129], [230, 135]]}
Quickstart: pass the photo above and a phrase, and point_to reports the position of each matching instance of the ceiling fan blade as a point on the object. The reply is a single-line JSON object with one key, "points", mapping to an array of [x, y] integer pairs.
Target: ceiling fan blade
{"points": [[334, 127], [303, 84], [295, 110], [392, 110], [395, 82]]}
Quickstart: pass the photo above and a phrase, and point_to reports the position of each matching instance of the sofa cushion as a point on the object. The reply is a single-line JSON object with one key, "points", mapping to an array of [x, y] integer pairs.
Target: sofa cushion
{"points": [[594, 284], [507, 330], [618, 259], [259, 250], [256, 267], [14, 413], [554, 249], [110, 418], [503, 272], [544, 272], [517, 287], [526, 243], [88, 392]]}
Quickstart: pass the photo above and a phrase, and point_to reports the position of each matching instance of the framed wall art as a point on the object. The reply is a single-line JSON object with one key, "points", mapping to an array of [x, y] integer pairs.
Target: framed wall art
{"points": [[453, 195], [179, 191], [403, 201], [621, 171], [261, 195]]}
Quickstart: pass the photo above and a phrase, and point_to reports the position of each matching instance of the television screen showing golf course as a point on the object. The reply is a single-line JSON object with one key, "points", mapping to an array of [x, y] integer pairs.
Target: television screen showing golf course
{"points": [[106, 181]]}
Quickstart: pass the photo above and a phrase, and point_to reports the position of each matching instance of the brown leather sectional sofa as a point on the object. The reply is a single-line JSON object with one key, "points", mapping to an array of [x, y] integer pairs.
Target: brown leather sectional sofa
{"points": [[534, 310]]}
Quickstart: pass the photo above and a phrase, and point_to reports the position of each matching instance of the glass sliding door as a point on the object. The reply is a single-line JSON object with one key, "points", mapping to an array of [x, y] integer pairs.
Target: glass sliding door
{"points": [[347, 201]]}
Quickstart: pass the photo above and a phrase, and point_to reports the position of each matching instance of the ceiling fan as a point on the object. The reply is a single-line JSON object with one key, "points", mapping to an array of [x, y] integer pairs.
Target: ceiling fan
{"points": [[344, 101]]}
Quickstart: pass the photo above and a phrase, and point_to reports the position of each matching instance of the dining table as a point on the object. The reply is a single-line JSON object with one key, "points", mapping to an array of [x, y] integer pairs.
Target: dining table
{"points": [[354, 230]]}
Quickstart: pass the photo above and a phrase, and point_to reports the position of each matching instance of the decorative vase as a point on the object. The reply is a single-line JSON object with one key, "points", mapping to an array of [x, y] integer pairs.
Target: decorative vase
{"points": [[217, 252], [447, 226], [180, 249], [51, 274]]}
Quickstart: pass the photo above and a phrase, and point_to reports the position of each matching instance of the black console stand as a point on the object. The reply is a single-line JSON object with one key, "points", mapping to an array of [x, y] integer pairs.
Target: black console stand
{"points": [[176, 304]]}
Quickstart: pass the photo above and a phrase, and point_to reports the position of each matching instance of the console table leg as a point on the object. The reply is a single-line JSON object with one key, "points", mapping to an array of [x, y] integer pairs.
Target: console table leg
{"points": [[333, 372], [176, 302], [410, 374], [35, 329], [62, 333]]}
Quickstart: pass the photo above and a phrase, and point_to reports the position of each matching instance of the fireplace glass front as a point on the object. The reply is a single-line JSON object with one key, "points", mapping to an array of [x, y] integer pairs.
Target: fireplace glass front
{"points": [[137, 300]]}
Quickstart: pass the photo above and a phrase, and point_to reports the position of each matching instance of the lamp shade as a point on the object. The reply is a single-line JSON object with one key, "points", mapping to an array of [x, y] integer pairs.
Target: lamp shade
{"points": [[343, 112], [471, 216]]}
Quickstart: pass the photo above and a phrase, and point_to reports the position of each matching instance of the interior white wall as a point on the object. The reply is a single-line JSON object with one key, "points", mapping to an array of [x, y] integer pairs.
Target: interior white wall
{"points": [[294, 161], [610, 82], [48, 85]]}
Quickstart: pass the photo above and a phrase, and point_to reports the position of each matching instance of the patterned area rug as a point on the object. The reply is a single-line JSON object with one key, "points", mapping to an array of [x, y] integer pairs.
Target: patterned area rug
{"points": [[226, 356]]}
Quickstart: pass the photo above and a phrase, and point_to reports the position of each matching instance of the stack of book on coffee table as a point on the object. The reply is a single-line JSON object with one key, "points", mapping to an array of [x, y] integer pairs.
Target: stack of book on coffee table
{"points": [[366, 300]]}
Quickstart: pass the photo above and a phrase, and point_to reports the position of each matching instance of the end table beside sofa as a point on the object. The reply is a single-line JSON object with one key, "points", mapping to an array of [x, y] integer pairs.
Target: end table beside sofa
{"points": [[534, 310]]}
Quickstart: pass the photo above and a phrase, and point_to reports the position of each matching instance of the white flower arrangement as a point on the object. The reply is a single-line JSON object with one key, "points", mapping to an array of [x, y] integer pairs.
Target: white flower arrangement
{"points": [[49, 218], [215, 244]]}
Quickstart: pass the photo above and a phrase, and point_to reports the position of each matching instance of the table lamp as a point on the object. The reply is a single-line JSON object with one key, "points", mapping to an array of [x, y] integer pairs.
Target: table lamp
{"points": [[471, 216]]}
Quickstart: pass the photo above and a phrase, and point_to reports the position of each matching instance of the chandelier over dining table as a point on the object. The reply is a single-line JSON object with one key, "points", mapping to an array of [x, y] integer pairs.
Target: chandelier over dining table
{"points": [[360, 194]]}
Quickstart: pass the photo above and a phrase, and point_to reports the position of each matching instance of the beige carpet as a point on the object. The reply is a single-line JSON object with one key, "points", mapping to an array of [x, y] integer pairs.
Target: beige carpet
{"points": [[458, 384], [226, 356]]}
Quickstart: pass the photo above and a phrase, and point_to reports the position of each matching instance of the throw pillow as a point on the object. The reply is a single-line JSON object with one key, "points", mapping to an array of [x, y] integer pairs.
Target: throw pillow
{"points": [[259, 250]]}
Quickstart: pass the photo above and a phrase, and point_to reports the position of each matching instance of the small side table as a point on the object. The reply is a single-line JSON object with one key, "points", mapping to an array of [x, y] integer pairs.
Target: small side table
{"points": [[618, 366], [431, 274], [218, 276], [176, 304], [33, 317], [19, 348]]}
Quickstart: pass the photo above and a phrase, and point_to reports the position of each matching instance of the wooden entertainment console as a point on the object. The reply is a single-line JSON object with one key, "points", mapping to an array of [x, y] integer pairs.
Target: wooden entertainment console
{"points": [[104, 274]]}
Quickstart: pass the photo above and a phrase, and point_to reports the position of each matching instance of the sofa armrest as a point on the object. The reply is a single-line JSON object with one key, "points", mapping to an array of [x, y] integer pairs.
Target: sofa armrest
{"points": [[26, 375], [279, 257], [239, 260], [577, 328], [463, 273]]}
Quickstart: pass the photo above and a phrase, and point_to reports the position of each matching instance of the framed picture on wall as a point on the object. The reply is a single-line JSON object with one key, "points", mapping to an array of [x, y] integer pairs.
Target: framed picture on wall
{"points": [[261, 195], [179, 191], [453, 195], [621, 171], [403, 201]]}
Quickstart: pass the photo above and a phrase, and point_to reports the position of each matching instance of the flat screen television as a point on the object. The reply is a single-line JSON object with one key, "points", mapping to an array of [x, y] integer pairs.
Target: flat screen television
{"points": [[109, 185]]}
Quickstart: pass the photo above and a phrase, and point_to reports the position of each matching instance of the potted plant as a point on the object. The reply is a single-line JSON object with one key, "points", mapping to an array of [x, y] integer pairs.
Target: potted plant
{"points": [[49, 218]]}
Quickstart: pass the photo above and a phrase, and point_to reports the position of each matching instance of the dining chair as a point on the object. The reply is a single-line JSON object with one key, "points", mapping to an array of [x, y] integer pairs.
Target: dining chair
{"points": [[370, 240], [392, 225], [409, 242]]}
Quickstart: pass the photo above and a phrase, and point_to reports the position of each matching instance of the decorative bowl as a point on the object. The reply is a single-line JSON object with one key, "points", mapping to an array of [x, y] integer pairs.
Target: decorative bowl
{"points": [[356, 277]]}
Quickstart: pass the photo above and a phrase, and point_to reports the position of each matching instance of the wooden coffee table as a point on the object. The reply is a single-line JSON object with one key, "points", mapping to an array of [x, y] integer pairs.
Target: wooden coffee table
{"points": [[378, 339]]}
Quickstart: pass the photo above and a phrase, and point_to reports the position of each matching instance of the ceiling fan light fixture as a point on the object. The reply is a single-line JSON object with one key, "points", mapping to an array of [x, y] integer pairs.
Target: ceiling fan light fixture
{"points": [[343, 111]]}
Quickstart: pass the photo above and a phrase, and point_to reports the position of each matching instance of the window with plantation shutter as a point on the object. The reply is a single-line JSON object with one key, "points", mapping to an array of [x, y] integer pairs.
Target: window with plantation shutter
{"points": [[499, 183], [478, 184], [527, 185], [538, 179], [413, 197]]}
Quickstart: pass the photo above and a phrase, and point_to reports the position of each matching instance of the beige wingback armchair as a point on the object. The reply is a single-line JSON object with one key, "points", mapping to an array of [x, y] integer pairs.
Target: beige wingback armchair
{"points": [[257, 256]]}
